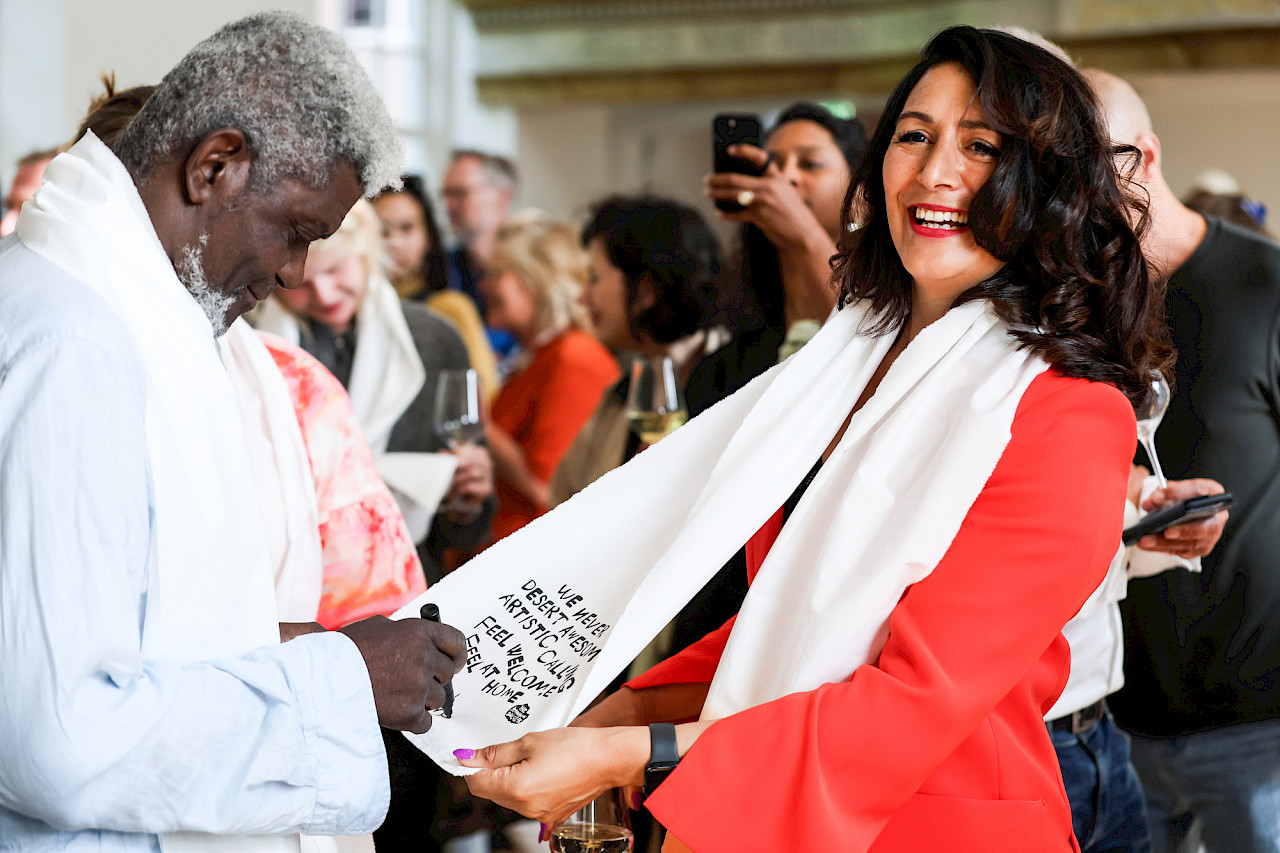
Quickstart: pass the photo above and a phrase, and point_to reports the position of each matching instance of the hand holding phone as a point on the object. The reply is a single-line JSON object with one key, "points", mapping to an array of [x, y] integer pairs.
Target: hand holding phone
{"points": [[727, 130], [1182, 512]]}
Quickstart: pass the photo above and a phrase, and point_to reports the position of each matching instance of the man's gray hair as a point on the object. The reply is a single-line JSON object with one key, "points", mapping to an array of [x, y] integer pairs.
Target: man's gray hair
{"points": [[294, 89]]}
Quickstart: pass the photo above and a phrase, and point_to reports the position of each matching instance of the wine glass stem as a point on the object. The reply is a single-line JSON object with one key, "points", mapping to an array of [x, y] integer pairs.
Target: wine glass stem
{"points": [[1155, 463]]}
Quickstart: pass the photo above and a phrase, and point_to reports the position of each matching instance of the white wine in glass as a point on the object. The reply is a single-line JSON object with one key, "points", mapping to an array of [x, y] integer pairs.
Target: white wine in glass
{"points": [[601, 826], [655, 406]]}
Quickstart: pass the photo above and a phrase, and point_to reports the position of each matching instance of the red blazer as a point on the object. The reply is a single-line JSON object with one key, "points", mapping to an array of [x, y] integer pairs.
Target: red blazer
{"points": [[940, 745], [544, 407]]}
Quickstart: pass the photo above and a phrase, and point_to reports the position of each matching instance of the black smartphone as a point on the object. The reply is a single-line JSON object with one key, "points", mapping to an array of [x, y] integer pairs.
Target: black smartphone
{"points": [[729, 130], [1192, 509]]}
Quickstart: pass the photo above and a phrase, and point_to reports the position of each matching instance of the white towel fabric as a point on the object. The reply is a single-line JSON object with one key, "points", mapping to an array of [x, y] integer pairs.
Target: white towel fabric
{"points": [[283, 472], [556, 610]]}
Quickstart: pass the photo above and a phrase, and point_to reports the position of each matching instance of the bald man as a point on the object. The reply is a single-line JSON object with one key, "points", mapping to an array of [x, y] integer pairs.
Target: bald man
{"points": [[1202, 651]]}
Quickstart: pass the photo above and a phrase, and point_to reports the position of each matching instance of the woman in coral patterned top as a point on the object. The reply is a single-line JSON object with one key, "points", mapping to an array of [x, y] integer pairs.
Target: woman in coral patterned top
{"points": [[370, 565]]}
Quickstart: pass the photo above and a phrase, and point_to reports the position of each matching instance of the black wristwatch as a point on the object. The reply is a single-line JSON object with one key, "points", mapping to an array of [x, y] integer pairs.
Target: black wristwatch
{"points": [[663, 755]]}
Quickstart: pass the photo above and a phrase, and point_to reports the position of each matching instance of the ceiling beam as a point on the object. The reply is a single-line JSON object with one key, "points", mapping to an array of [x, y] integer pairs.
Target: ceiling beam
{"points": [[1179, 51]]}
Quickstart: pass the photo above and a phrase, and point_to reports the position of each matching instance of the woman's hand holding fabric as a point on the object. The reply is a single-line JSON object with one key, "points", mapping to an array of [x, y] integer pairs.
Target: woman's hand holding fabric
{"points": [[549, 775]]}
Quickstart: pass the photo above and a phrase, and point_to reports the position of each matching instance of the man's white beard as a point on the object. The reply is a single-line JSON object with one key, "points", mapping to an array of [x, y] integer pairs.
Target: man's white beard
{"points": [[190, 271]]}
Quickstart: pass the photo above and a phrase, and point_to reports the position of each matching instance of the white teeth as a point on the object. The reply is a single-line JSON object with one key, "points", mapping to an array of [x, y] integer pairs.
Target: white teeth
{"points": [[945, 218]]}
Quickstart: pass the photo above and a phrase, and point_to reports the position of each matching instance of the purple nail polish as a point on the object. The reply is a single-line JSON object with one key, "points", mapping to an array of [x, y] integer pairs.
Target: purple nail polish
{"points": [[464, 754], [542, 833], [635, 801]]}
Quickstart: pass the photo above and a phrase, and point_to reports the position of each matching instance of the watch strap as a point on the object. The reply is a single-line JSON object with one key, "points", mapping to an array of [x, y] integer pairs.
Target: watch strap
{"points": [[662, 744], [664, 755]]}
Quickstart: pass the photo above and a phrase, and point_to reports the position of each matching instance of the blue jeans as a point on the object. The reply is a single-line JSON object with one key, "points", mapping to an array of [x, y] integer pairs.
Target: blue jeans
{"points": [[1107, 811], [1223, 783]]}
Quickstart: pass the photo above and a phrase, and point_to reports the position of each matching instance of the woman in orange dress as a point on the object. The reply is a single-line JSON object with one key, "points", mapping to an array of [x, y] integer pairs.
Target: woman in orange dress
{"points": [[989, 189], [532, 290]]}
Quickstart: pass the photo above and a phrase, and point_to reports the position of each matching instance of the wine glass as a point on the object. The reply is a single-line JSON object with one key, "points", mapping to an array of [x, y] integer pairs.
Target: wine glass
{"points": [[1150, 413], [457, 410], [457, 417], [655, 406], [601, 826]]}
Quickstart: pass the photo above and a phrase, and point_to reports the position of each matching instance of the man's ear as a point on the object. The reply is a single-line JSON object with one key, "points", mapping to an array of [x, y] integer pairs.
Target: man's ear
{"points": [[1149, 144], [218, 167]]}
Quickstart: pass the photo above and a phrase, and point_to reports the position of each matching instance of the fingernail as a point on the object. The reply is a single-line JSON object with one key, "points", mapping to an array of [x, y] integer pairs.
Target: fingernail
{"points": [[635, 801], [542, 833], [464, 754]]}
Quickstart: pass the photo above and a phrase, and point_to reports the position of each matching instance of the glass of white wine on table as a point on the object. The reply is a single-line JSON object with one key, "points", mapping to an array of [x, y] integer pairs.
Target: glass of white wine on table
{"points": [[655, 406], [601, 826]]}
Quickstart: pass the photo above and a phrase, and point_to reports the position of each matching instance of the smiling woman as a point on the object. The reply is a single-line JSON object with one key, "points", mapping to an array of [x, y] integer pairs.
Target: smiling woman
{"points": [[883, 686], [996, 180], [943, 152]]}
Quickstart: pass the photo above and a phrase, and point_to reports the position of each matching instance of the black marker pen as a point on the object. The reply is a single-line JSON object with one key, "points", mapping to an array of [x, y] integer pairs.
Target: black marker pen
{"points": [[431, 613]]}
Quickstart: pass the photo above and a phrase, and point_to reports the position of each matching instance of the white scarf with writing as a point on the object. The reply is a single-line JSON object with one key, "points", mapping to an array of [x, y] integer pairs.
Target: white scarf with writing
{"points": [[211, 595], [553, 612]]}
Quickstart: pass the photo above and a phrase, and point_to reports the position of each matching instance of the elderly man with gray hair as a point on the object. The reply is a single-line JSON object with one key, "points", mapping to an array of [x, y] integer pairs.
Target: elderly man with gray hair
{"points": [[147, 701]]}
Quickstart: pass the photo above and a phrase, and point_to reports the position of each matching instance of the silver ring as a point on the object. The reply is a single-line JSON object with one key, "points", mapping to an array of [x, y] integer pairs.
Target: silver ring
{"points": [[746, 197]]}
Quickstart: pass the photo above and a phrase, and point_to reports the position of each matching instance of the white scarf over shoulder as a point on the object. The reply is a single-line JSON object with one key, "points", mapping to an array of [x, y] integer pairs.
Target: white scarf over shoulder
{"points": [[210, 594], [632, 548], [282, 467]]}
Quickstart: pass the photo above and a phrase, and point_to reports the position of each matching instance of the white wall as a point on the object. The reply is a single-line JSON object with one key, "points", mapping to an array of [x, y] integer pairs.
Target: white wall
{"points": [[52, 53], [142, 39], [32, 80], [570, 156], [566, 159], [574, 154], [1224, 119]]}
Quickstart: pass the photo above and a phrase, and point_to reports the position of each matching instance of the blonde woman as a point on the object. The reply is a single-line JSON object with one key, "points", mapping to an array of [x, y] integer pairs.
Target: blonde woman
{"points": [[531, 290]]}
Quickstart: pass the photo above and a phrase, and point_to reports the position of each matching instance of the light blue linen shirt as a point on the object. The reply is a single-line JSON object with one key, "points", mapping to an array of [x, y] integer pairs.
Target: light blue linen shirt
{"points": [[99, 748]]}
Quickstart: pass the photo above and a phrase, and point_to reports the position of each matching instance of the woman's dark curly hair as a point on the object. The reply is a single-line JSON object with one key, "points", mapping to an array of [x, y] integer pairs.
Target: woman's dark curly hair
{"points": [[1075, 287], [667, 244]]}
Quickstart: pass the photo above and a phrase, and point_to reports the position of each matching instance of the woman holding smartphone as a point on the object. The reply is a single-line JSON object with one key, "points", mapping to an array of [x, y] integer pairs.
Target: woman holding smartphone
{"points": [[791, 224], [883, 687]]}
